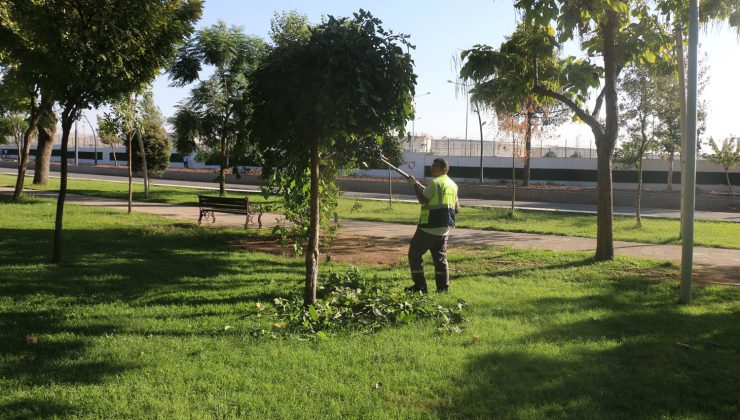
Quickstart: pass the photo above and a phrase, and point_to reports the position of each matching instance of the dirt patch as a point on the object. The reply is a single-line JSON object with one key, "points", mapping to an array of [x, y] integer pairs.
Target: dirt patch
{"points": [[726, 276], [353, 250], [377, 250]]}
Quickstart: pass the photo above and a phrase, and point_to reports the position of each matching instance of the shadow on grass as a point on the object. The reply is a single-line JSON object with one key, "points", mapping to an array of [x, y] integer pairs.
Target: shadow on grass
{"points": [[509, 263], [36, 408], [178, 266], [647, 358], [130, 263]]}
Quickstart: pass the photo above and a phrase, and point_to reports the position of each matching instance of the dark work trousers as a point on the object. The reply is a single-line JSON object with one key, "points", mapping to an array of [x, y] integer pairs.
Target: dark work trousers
{"points": [[437, 245]]}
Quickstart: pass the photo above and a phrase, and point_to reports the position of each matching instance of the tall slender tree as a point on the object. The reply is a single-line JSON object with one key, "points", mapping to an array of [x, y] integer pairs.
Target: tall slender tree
{"points": [[668, 108], [504, 79], [214, 113], [638, 88]]}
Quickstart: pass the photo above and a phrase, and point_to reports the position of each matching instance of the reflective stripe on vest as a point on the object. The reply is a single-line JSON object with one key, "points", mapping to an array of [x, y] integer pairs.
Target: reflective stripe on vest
{"points": [[440, 210]]}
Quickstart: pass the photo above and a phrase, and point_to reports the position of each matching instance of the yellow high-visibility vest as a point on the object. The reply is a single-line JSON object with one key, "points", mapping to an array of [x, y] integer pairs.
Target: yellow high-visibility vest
{"points": [[440, 210]]}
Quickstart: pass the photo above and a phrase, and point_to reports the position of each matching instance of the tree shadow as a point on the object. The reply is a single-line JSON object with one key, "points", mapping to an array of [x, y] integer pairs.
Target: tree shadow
{"points": [[41, 341], [36, 408], [647, 357], [130, 263]]}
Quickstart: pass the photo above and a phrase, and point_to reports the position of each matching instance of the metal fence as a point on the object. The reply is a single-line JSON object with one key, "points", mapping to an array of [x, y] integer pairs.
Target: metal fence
{"points": [[493, 148]]}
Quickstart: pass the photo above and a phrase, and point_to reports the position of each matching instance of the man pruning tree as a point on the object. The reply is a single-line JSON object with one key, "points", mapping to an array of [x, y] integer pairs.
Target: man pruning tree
{"points": [[439, 205]]}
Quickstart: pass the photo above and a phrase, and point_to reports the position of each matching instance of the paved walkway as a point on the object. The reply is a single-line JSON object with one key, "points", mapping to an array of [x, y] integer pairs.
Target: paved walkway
{"points": [[525, 205], [725, 258]]}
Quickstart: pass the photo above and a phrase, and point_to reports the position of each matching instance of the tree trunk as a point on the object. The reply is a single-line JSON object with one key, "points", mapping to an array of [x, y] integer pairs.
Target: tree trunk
{"points": [[129, 137], [604, 207], [480, 125], [43, 156], [67, 121], [729, 185], [605, 147], [672, 156], [639, 193], [143, 163], [528, 146], [222, 176], [19, 146], [113, 150], [513, 172], [312, 250], [47, 127], [24, 151]]}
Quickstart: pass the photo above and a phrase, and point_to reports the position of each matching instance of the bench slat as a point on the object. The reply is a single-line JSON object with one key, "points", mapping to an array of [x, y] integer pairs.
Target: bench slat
{"points": [[222, 200]]}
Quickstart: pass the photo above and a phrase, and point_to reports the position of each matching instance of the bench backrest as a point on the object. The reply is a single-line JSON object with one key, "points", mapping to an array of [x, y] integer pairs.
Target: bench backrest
{"points": [[224, 204]]}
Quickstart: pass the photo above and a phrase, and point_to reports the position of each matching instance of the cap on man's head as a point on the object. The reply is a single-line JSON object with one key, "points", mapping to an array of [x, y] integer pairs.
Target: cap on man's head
{"points": [[440, 163]]}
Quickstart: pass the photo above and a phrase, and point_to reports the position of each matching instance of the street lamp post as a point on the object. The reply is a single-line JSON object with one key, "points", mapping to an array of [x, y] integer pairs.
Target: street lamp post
{"points": [[95, 138], [76, 150], [466, 87], [480, 122], [413, 122]]}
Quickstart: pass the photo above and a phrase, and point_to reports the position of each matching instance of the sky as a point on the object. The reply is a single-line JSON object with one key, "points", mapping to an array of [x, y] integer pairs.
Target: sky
{"points": [[440, 29]]}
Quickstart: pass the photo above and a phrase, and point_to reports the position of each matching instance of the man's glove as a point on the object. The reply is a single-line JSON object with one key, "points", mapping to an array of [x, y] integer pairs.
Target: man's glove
{"points": [[411, 180]]}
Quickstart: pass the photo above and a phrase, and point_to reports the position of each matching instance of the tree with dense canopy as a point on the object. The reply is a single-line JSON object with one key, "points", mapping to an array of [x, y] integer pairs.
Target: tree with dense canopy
{"points": [[214, 114], [612, 34], [315, 100], [87, 52]]}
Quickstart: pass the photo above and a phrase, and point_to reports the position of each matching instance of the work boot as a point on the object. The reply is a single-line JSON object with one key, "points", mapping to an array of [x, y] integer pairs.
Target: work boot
{"points": [[443, 290], [414, 289]]}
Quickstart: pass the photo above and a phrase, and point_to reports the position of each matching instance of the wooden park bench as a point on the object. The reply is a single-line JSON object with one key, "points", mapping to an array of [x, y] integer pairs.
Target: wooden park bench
{"points": [[209, 206]]}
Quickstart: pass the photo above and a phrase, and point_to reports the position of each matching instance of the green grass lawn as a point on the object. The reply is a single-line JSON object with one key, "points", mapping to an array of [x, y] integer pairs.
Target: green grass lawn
{"points": [[654, 230], [133, 325]]}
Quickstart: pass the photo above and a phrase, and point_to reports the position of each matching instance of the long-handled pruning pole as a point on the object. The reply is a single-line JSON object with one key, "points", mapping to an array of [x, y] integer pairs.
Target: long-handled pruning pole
{"points": [[395, 168]]}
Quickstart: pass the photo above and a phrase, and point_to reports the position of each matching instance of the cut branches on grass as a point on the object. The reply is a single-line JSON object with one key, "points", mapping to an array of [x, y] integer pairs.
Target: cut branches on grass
{"points": [[352, 301]]}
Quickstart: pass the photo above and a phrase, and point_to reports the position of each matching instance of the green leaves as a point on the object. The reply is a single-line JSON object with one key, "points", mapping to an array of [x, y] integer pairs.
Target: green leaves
{"points": [[87, 52], [335, 90], [727, 155], [216, 112], [354, 302], [618, 6]]}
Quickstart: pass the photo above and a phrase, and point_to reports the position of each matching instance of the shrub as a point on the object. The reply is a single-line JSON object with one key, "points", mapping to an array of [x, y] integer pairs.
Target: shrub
{"points": [[158, 151]]}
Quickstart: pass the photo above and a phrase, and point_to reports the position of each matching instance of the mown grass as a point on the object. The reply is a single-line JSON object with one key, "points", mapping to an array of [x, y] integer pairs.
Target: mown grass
{"points": [[133, 325], [654, 230]]}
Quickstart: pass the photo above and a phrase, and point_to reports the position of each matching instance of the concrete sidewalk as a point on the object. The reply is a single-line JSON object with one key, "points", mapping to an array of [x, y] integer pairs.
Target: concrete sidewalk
{"points": [[725, 258], [524, 205]]}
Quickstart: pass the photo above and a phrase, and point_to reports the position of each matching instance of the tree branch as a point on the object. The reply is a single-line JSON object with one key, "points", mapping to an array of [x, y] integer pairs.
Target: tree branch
{"points": [[600, 98], [583, 115], [599, 102]]}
